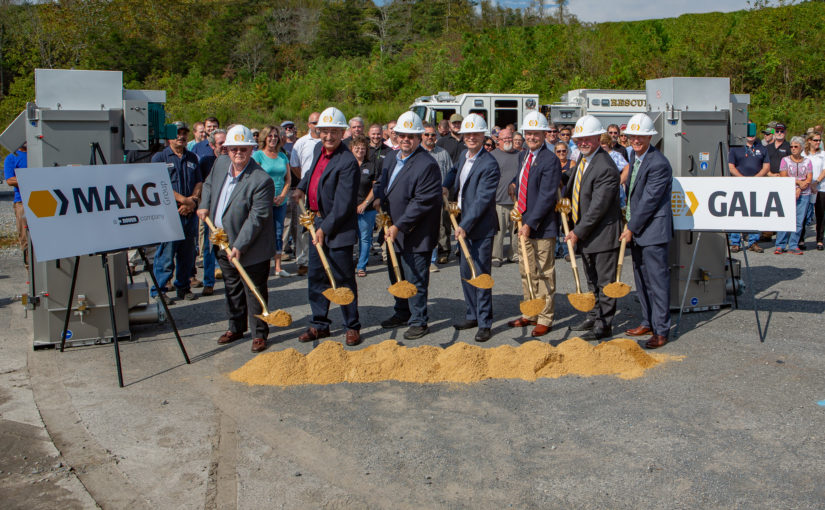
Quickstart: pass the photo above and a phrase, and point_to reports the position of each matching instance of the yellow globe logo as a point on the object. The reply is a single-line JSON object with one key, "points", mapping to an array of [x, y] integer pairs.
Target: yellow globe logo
{"points": [[238, 137], [327, 118], [408, 124], [579, 129], [469, 125], [533, 123], [677, 203]]}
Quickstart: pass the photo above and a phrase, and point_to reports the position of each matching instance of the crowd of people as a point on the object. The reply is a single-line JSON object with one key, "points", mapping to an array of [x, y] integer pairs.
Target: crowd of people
{"points": [[256, 184]]}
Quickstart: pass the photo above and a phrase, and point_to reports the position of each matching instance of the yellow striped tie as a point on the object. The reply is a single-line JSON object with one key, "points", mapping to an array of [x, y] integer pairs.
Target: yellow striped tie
{"points": [[577, 184]]}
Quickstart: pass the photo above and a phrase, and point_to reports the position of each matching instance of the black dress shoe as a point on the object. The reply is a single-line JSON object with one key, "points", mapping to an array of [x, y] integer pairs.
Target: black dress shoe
{"points": [[466, 325], [597, 334], [483, 334], [586, 325], [393, 322], [416, 332]]}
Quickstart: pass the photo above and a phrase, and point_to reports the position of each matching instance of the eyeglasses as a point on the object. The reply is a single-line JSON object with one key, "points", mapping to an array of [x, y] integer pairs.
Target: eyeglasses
{"points": [[429, 135], [237, 149], [612, 132], [780, 130], [405, 135], [564, 134], [488, 146], [796, 146], [816, 140], [562, 151], [552, 130]]}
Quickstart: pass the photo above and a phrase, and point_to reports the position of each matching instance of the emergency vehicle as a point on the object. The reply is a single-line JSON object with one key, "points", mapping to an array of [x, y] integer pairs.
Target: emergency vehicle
{"points": [[497, 109], [609, 106]]}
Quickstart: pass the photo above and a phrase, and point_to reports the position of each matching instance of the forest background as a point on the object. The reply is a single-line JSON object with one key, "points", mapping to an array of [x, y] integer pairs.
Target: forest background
{"points": [[263, 61]]}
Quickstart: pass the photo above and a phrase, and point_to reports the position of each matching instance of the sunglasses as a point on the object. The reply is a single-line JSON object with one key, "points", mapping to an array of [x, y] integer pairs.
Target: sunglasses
{"points": [[780, 130], [552, 130], [237, 149], [429, 135], [816, 140], [405, 135], [561, 152], [488, 145]]}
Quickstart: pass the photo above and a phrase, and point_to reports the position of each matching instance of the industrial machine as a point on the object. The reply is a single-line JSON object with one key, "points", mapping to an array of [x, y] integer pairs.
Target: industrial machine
{"points": [[609, 106], [698, 119], [86, 117], [496, 109]]}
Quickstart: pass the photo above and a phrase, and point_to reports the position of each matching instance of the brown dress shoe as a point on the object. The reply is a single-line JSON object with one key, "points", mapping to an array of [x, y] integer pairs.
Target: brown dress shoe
{"points": [[639, 331], [313, 334], [258, 344], [302, 270], [207, 291], [656, 341], [353, 337], [229, 337], [540, 330], [521, 322]]}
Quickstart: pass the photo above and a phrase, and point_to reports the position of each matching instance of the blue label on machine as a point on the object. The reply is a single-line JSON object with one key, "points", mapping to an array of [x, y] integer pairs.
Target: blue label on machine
{"points": [[694, 301], [69, 334], [703, 165]]}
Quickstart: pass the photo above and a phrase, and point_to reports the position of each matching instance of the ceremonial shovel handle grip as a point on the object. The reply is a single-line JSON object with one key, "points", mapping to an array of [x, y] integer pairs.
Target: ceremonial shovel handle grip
{"points": [[572, 252], [239, 267], [463, 245], [523, 243], [321, 254], [393, 256], [621, 259]]}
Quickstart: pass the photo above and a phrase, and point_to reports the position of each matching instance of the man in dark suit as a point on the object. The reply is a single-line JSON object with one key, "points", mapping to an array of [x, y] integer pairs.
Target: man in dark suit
{"points": [[238, 196], [649, 230], [409, 190], [535, 192], [331, 191], [474, 181], [593, 190]]}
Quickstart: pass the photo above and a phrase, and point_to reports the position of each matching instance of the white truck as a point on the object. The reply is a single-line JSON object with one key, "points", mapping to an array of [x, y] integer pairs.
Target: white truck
{"points": [[497, 109], [609, 106]]}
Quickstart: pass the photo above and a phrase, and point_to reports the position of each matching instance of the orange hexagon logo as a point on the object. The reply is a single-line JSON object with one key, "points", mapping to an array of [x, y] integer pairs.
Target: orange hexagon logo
{"points": [[42, 203], [408, 124], [533, 123]]}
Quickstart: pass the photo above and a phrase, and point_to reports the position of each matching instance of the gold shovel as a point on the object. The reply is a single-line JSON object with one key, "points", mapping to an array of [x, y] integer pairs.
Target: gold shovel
{"points": [[584, 302], [277, 318], [482, 281], [618, 289], [401, 288], [338, 295], [533, 306]]}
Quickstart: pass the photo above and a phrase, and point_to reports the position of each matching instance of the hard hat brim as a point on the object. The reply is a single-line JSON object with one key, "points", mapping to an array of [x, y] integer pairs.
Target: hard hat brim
{"points": [[594, 133]]}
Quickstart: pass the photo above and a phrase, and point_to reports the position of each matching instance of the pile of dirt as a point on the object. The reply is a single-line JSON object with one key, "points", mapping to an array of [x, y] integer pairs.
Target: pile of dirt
{"points": [[330, 363]]}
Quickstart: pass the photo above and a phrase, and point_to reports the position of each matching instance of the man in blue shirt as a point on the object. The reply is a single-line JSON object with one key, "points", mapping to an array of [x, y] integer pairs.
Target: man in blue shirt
{"points": [[202, 148], [752, 160], [15, 160], [186, 183]]}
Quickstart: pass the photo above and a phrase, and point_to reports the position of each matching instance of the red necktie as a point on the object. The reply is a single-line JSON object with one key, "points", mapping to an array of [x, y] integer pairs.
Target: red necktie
{"points": [[522, 189]]}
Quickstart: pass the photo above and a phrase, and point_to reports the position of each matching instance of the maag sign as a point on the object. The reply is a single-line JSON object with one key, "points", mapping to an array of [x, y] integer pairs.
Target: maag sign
{"points": [[78, 210], [734, 204]]}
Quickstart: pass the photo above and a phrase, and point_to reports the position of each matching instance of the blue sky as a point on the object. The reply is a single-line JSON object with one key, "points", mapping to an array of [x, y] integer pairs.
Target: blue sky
{"points": [[632, 10]]}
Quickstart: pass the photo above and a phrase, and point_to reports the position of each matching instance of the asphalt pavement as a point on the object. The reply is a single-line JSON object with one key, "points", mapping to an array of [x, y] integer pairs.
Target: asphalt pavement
{"points": [[735, 424]]}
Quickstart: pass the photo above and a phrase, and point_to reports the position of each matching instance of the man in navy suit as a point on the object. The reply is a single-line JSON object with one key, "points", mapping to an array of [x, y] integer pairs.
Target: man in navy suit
{"points": [[331, 191], [593, 190], [535, 190], [409, 190], [649, 230], [474, 181]]}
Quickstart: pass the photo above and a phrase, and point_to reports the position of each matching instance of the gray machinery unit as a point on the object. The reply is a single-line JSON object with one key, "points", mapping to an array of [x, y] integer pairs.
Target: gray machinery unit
{"points": [[80, 118], [697, 120]]}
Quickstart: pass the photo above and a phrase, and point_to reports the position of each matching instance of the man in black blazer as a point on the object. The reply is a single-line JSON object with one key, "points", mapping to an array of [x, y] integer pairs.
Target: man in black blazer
{"points": [[593, 190], [649, 230], [473, 180], [238, 196], [409, 190], [535, 192], [330, 188]]}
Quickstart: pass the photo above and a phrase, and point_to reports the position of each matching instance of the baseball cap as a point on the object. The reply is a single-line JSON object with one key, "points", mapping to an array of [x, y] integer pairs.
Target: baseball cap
{"points": [[456, 117], [768, 131], [179, 124], [780, 126], [287, 123], [772, 124], [622, 127]]}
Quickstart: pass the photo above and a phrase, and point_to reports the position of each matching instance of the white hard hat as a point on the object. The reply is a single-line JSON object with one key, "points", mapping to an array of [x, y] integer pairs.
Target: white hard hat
{"points": [[535, 121], [588, 126], [239, 135], [409, 122], [332, 117], [640, 124], [473, 123]]}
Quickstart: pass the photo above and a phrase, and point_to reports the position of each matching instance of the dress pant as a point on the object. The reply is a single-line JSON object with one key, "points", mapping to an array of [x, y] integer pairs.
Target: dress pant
{"points": [[542, 263], [415, 268], [343, 270], [600, 270], [479, 301], [177, 257], [505, 227], [651, 272], [22, 231], [242, 304]]}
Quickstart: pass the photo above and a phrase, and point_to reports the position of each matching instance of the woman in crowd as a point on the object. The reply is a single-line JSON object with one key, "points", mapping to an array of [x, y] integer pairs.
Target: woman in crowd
{"points": [[366, 213], [799, 167], [273, 159], [518, 141], [817, 157], [562, 152], [489, 144]]}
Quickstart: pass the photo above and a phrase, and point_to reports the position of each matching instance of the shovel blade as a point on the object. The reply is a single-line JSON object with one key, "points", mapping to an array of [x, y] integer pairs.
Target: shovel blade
{"points": [[616, 290], [532, 307], [482, 281], [340, 296], [278, 318], [403, 289], [583, 302]]}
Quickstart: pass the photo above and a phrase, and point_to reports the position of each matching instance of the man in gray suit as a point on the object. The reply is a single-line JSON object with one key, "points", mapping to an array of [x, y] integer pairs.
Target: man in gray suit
{"points": [[593, 190], [238, 196], [649, 230]]}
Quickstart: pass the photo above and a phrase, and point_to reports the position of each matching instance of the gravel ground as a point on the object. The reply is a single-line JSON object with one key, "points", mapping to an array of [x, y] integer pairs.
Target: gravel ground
{"points": [[736, 424]]}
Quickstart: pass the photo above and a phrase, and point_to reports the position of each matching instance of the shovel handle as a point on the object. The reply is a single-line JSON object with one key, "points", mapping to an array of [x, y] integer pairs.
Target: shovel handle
{"points": [[393, 256], [523, 243], [463, 246], [239, 267], [572, 252], [321, 253], [621, 259]]}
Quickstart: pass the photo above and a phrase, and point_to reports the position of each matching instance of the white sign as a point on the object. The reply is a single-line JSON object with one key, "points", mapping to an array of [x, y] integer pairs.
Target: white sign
{"points": [[734, 204], [80, 210]]}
